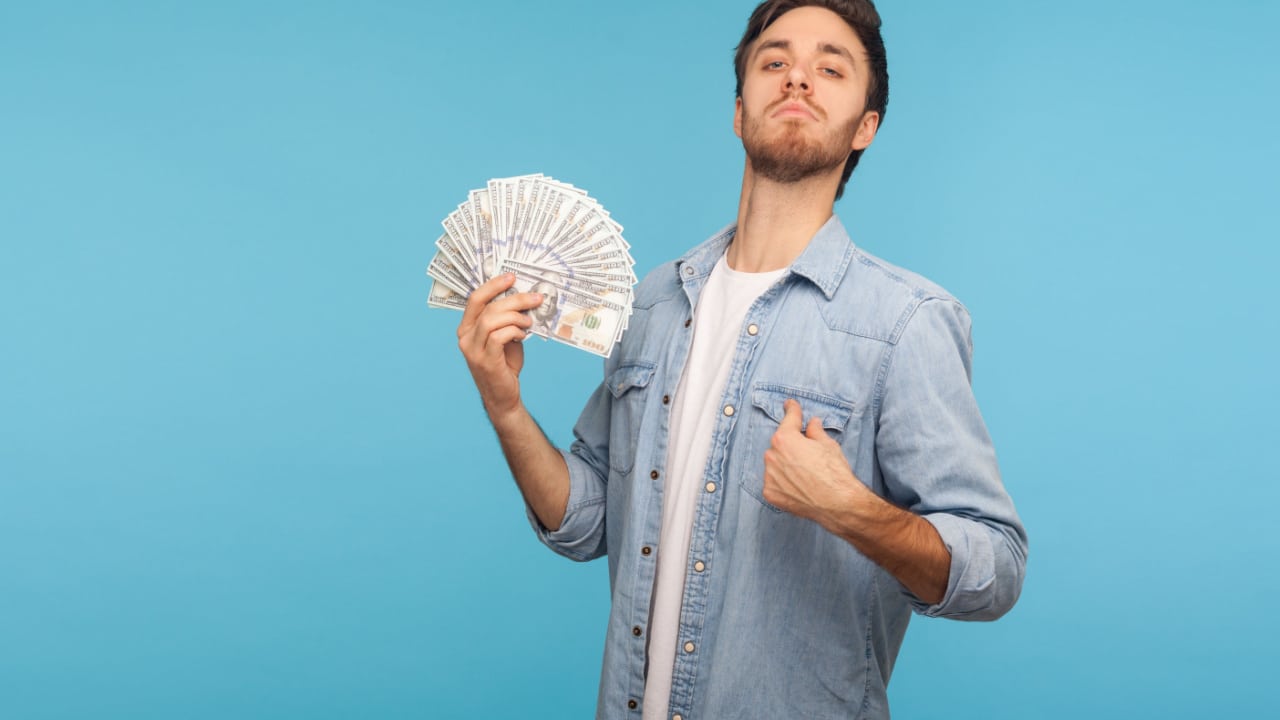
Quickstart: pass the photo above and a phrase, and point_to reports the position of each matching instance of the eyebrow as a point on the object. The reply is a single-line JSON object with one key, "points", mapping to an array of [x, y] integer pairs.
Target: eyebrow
{"points": [[827, 48], [837, 50]]}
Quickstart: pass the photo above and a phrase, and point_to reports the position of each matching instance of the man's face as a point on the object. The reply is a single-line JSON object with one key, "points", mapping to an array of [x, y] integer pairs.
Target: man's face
{"points": [[547, 310], [804, 89]]}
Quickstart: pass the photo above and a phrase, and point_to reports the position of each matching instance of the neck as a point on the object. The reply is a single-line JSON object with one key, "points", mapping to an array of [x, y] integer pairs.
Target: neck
{"points": [[776, 221]]}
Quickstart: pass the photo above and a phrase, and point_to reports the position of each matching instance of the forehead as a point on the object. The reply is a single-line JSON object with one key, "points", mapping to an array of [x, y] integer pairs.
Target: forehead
{"points": [[805, 28]]}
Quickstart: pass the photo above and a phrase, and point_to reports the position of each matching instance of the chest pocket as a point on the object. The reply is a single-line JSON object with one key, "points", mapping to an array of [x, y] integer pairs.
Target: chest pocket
{"points": [[628, 385], [837, 415]]}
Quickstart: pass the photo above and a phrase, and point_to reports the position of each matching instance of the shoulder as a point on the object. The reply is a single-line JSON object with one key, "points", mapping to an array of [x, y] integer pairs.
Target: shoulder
{"points": [[663, 282], [659, 284], [878, 299], [653, 313]]}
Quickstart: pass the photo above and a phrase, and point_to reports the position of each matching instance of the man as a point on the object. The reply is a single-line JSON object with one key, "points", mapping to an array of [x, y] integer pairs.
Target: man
{"points": [[785, 457]]}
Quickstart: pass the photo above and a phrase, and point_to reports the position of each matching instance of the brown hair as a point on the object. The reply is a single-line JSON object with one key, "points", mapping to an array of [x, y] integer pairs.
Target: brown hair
{"points": [[862, 17]]}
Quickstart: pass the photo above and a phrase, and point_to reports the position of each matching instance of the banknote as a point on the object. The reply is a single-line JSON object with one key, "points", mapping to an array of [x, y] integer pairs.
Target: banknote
{"points": [[570, 316], [606, 291], [553, 236], [442, 296]]}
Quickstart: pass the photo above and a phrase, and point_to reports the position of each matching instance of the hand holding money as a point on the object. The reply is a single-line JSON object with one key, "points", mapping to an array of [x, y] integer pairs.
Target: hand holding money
{"points": [[556, 241], [489, 336]]}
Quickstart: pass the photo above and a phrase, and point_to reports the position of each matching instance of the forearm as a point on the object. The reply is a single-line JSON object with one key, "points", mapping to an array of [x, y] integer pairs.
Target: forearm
{"points": [[903, 543], [538, 468], [934, 452], [807, 474]]}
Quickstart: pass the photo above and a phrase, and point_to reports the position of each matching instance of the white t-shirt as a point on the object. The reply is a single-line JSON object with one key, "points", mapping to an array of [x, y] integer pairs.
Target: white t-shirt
{"points": [[717, 323]]}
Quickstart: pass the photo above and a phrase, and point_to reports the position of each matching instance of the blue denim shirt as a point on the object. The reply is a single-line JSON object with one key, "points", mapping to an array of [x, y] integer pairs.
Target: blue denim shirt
{"points": [[784, 619]]}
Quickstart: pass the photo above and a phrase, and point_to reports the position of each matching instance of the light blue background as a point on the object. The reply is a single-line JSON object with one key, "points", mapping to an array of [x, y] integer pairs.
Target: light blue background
{"points": [[243, 472]]}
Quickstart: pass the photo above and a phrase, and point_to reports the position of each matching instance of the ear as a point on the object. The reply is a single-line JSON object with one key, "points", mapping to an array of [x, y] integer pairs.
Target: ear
{"points": [[867, 126], [737, 117]]}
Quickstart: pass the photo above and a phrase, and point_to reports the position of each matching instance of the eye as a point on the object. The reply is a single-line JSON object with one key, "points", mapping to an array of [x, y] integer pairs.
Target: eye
{"points": [[831, 72], [775, 65]]}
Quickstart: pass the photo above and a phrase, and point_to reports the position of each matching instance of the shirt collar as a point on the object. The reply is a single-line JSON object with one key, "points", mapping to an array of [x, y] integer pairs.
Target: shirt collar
{"points": [[823, 261]]}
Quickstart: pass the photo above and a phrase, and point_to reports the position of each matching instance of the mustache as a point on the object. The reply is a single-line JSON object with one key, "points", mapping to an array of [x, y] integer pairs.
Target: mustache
{"points": [[817, 111]]}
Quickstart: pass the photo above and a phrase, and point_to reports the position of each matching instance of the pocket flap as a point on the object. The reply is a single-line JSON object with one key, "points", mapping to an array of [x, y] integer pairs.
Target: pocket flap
{"points": [[634, 375], [834, 412]]}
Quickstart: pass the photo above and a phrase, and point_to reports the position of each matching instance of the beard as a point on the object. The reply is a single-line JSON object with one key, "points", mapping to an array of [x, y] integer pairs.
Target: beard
{"points": [[791, 155]]}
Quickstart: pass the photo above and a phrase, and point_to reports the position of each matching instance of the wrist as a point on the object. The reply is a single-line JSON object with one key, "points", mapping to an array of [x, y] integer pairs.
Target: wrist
{"points": [[506, 419], [859, 513], [842, 514]]}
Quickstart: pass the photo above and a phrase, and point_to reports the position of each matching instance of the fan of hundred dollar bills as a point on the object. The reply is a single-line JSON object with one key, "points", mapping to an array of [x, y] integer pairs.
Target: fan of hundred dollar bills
{"points": [[557, 241]]}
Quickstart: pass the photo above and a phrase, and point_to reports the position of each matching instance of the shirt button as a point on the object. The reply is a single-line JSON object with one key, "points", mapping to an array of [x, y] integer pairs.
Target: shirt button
{"points": [[699, 566], [688, 647], [688, 269], [728, 410], [711, 487], [646, 550], [631, 704], [752, 329], [636, 631], [688, 322], [676, 717], [653, 474], [666, 399]]}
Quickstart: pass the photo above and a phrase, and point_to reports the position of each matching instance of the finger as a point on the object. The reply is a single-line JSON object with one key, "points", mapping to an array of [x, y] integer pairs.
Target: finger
{"points": [[496, 343], [481, 296], [491, 321], [518, 301], [514, 352], [476, 340], [814, 430], [791, 417]]}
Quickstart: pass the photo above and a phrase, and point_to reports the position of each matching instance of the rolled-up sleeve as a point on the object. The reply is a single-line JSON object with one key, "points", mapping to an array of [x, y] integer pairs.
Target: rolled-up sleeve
{"points": [[937, 460], [581, 535]]}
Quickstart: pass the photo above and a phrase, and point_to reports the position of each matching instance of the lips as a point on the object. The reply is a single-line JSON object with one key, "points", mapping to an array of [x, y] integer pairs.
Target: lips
{"points": [[794, 108]]}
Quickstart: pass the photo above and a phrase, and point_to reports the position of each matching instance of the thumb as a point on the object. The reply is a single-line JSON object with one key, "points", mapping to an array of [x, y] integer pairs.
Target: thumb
{"points": [[791, 417], [814, 431]]}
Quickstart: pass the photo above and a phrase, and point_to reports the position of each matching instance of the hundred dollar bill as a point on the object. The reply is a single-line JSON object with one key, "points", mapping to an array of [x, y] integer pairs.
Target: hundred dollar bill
{"points": [[442, 296], [550, 234], [441, 270], [571, 316], [466, 223], [482, 211], [620, 294], [527, 192], [553, 202], [453, 257]]}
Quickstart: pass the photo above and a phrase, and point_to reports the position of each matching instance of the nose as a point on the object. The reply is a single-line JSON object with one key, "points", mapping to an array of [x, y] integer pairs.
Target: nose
{"points": [[797, 79]]}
